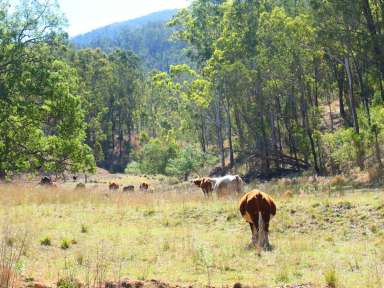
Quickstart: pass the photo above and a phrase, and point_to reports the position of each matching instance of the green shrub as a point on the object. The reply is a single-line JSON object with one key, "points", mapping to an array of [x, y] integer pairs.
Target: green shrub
{"points": [[339, 148], [84, 229], [68, 282], [157, 157], [331, 277], [46, 241], [186, 161], [64, 244], [153, 157]]}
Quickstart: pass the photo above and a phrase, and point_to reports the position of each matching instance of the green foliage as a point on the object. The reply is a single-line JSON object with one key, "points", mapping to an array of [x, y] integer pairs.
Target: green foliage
{"points": [[109, 89], [331, 277], [46, 241], [340, 146], [153, 158], [272, 84], [41, 117], [65, 244], [168, 159], [84, 229], [68, 282], [187, 160]]}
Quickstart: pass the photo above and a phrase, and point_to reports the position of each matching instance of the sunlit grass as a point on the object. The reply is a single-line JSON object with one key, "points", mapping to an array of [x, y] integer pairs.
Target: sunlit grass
{"points": [[177, 236]]}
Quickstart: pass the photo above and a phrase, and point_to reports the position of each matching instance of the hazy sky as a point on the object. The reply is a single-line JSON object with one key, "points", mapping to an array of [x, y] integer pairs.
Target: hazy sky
{"points": [[85, 15]]}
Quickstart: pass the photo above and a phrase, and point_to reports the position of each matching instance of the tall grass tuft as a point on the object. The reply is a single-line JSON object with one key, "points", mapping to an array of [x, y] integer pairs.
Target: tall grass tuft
{"points": [[12, 247], [331, 277]]}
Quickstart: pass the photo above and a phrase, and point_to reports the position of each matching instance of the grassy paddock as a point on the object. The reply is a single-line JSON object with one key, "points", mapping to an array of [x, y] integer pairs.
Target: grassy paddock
{"points": [[177, 236]]}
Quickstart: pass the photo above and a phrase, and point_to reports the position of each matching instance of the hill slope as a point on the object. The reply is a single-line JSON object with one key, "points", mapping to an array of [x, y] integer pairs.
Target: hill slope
{"points": [[147, 36]]}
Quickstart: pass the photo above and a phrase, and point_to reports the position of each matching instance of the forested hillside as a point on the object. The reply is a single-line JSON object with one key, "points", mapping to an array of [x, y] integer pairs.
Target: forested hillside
{"points": [[273, 86], [148, 37]]}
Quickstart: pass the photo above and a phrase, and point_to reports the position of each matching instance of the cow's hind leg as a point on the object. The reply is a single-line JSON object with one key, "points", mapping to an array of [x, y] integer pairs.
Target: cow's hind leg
{"points": [[255, 229], [264, 230]]}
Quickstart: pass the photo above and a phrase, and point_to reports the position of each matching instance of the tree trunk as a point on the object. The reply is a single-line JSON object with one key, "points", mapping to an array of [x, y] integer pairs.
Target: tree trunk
{"points": [[219, 135], [340, 78], [203, 141], [316, 94], [350, 95], [377, 147], [363, 90], [377, 49], [229, 131], [239, 128], [266, 165], [3, 175]]}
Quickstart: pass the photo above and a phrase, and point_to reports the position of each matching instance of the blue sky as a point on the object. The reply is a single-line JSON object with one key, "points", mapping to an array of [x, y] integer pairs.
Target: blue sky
{"points": [[85, 15]]}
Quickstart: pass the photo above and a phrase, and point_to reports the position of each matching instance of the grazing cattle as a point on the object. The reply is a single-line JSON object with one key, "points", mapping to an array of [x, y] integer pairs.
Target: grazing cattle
{"points": [[144, 186], [228, 185], [114, 186], [206, 184], [46, 180], [128, 188], [257, 208]]}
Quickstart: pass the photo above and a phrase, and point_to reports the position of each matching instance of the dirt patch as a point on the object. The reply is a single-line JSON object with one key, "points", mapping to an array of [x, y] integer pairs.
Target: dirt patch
{"points": [[129, 283]]}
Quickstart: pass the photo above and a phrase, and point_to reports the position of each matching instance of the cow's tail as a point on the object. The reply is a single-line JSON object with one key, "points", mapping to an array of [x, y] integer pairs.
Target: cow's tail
{"points": [[261, 222]]}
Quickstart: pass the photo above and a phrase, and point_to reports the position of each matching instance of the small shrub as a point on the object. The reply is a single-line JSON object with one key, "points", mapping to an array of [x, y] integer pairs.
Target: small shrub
{"points": [[329, 239], [172, 181], [375, 174], [166, 246], [338, 181], [9, 241], [11, 250], [282, 276], [68, 283], [46, 241], [64, 244], [79, 259], [149, 212], [84, 229], [331, 277]]}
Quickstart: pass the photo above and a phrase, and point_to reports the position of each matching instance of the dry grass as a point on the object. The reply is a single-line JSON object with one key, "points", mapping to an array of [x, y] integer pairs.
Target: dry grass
{"points": [[177, 236]]}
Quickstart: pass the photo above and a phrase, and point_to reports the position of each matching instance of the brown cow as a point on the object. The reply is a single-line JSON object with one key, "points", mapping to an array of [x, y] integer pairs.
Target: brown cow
{"points": [[128, 188], [206, 184], [114, 186], [257, 208], [144, 186], [46, 181]]}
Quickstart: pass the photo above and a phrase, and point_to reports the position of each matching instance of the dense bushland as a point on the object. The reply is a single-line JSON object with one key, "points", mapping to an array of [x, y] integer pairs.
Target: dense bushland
{"points": [[274, 86]]}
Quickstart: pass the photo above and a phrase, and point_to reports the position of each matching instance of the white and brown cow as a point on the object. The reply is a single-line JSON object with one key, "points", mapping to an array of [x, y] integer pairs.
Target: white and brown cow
{"points": [[228, 185], [223, 186]]}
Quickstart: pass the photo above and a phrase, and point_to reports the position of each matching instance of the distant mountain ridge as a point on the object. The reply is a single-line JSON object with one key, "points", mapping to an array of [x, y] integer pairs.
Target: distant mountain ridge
{"points": [[147, 36]]}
